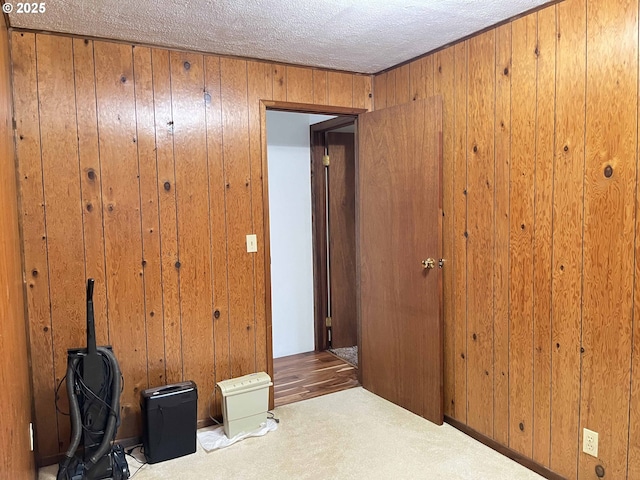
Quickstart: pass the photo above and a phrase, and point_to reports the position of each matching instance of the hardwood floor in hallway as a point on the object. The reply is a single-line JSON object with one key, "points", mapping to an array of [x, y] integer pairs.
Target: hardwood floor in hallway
{"points": [[309, 375]]}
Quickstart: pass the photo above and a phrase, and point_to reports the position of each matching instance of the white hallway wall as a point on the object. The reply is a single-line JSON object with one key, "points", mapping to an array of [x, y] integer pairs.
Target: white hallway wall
{"points": [[289, 170]]}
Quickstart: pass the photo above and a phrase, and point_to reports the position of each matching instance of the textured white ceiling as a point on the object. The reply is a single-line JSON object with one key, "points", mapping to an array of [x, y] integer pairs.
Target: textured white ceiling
{"points": [[355, 35]]}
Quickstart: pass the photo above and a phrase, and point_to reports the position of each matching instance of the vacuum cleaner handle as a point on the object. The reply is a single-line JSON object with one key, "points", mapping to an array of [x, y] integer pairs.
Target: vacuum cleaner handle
{"points": [[91, 329], [90, 283]]}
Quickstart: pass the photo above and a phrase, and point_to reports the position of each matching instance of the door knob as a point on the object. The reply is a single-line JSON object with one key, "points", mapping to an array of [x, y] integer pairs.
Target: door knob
{"points": [[429, 263]]}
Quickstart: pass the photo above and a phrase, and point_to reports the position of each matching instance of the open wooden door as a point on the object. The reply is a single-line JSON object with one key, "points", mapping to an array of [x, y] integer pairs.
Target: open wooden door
{"points": [[399, 240]]}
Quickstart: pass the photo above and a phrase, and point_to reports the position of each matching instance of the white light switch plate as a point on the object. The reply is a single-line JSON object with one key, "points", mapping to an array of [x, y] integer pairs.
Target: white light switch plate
{"points": [[252, 243]]}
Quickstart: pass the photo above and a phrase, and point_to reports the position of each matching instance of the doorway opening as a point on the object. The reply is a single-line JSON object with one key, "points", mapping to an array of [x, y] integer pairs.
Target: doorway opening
{"points": [[311, 204]]}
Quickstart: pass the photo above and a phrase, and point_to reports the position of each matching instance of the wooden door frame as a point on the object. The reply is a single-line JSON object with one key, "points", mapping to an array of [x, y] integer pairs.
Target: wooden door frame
{"points": [[294, 108], [319, 223]]}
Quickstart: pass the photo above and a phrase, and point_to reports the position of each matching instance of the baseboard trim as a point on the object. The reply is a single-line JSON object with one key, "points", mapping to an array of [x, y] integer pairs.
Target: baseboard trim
{"points": [[506, 451]]}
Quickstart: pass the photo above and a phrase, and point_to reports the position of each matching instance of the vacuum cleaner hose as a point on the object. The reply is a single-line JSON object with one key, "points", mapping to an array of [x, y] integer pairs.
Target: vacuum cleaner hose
{"points": [[74, 413], [110, 430]]}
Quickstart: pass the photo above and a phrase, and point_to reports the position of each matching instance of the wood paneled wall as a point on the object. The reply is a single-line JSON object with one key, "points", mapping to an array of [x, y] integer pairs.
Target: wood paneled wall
{"points": [[16, 458], [541, 230], [142, 168]]}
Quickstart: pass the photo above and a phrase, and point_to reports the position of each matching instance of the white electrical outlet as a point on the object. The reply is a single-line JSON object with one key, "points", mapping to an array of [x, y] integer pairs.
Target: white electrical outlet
{"points": [[252, 243], [590, 442]]}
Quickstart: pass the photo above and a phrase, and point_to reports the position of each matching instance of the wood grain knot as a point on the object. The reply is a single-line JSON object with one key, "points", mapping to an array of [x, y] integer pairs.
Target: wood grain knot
{"points": [[123, 79], [167, 186], [464, 192], [522, 227], [187, 65], [462, 356], [486, 372], [608, 171], [178, 264], [475, 149], [248, 327], [34, 272], [152, 314], [506, 70], [562, 268], [439, 68], [144, 262], [600, 471], [86, 42], [216, 314], [370, 95], [21, 137], [581, 349], [521, 426], [557, 345], [91, 174], [474, 336], [89, 207], [45, 329], [134, 140], [536, 51], [110, 207], [566, 148], [466, 234]]}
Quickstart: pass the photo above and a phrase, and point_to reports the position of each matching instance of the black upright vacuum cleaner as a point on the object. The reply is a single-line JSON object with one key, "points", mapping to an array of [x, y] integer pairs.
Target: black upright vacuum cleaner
{"points": [[94, 383]]}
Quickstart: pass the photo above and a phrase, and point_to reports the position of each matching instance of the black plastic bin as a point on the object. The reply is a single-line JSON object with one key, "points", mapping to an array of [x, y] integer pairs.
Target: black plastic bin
{"points": [[169, 415]]}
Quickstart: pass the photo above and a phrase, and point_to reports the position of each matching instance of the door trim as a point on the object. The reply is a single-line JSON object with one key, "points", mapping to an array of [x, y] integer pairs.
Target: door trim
{"points": [[297, 108], [318, 222]]}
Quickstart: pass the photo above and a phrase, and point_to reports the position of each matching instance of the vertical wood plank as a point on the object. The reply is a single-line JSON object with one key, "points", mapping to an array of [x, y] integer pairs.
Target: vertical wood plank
{"points": [[279, 76], [16, 459], [568, 178], [362, 93], [460, 230], [61, 173], [90, 183], [238, 181], [480, 227], [340, 89], [123, 239], [545, 122], [380, 91], [299, 85], [610, 188], [32, 212], [148, 171], [403, 92], [444, 86], [391, 88], [428, 75], [259, 76], [417, 85], [319, 87], [501, 269], [217, 207], [167, 211], [523, 134], [192, 194]]}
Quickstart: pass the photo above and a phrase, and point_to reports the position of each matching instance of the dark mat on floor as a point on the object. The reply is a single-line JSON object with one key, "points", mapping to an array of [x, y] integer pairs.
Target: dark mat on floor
{"points": [[348, 354]]}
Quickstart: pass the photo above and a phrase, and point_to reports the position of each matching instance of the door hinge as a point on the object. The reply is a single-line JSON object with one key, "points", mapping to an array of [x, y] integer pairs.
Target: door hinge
{"points": [[327, 322], [441, 263], [325, 160]]}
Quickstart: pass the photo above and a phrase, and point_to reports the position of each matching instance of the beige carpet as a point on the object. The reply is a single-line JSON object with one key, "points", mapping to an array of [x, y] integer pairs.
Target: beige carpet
{"points": [[351, 434]]}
